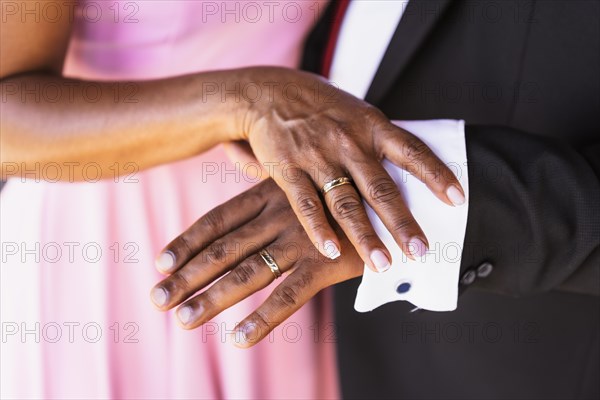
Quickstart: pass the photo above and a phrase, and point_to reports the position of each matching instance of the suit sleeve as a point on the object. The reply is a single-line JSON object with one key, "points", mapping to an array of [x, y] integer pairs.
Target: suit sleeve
{"points": [[534, 212]]}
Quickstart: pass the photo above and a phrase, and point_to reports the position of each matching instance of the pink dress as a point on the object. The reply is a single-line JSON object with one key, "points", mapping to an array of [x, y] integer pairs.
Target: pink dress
{"points": [[78, 258]]}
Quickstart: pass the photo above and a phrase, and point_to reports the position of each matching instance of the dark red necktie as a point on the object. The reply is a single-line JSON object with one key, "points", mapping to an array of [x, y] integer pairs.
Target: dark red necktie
{"points": [[340, 10]]}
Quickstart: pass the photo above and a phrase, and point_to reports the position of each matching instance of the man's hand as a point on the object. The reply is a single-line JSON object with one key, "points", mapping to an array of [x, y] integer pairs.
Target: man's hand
{"points": [[225, 243]]}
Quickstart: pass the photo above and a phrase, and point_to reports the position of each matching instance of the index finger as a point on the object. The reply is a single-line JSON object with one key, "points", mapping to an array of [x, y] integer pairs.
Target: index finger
{"points": [[406, 150], [210, 227], [306, 204]]}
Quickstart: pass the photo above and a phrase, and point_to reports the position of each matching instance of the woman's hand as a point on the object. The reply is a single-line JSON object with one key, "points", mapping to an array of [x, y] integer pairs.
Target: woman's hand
{"points": [[306, 133], [227, 241]]}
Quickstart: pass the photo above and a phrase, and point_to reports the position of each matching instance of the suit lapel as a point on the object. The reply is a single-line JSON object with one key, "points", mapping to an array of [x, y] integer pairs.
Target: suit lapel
{"points": [[418, 20]]}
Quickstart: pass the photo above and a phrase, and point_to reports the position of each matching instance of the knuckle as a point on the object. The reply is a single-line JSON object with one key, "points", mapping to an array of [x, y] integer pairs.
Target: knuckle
{"points": [[414, 167], [289, 164], [348, 144], [346, 205], [376, 120], [383, 190], [415, 149], [313, 148], [290, 295], [204, 301], [403, 223], [213, 221], [245, 273], [374, 114], [261, 320], [287, 296], [343, 136], [216, 253], [307, 262], [365, 238], [185, 243], [436, 174], [308, 205], [315, 225], [291, 174], [311, 277], [433, 173], [327, 170], [341, 132], [178, 282], [306, 279]]}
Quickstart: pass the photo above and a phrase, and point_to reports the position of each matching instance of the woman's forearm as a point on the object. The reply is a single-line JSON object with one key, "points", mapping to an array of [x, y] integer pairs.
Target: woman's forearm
{"points": [[49, 119]]}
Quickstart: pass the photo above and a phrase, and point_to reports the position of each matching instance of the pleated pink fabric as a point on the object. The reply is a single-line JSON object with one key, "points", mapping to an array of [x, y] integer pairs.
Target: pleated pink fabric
{"points": [[77, 258]]}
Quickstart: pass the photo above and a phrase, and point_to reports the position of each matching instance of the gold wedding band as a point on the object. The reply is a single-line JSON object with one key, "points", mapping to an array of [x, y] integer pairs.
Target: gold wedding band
{"points": [[270, 263], [335, 183]]}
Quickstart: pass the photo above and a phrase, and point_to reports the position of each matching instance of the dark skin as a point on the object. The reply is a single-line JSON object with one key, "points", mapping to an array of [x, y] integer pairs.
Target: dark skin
{"points": [[225, 243], [303, 131], [313, 142]]}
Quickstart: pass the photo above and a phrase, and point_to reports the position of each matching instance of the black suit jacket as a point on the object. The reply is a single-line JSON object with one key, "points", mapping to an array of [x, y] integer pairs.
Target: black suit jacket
{"points": [[525, 76]]}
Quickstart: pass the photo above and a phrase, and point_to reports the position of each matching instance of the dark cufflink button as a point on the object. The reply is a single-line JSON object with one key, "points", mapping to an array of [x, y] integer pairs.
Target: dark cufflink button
{"points": [[403, 287], [468, 277], [484, 270]]}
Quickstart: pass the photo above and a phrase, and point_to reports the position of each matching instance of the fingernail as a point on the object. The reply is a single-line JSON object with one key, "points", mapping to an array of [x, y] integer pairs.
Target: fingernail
{"points": [[380, 260], [184, 314], [331, 250], [417, 247], [159, 296], [242, 335], [455, 196], [165, 261]]}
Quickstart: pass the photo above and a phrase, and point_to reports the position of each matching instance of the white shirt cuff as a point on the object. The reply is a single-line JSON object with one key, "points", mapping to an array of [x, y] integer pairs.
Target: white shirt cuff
{"points": [[431, 282]]}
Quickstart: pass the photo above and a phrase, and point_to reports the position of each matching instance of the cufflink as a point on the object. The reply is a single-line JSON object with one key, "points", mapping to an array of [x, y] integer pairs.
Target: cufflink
{"points": [[403, 287]]}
